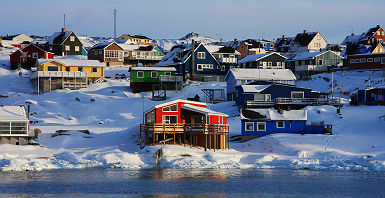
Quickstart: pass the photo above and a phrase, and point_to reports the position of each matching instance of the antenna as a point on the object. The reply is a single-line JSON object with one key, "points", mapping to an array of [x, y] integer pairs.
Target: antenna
{"points": [[64, 20], [115, 23]]}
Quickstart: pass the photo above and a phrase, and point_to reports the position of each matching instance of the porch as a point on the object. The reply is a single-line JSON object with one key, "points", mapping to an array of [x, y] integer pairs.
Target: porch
{"points": [[208, 136]]}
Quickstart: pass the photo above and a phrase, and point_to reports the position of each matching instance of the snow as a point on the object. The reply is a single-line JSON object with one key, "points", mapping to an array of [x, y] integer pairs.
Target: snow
{"points": [[254, 88], [262, 74], [12, 113], [113, 122], [272, 114], [167, 44], [153, 68], [201, 110], [74, 62]]}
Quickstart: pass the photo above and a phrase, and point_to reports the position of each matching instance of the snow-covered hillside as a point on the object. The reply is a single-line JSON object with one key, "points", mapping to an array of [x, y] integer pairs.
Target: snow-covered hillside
{"points": [[114, 115], [167, 44]]}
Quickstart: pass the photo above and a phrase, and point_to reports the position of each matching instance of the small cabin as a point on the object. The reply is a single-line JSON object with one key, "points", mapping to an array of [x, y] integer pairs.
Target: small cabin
{"points": [[143, 78], [14, 125], [261, 122], [369, 96], [185, 122]]}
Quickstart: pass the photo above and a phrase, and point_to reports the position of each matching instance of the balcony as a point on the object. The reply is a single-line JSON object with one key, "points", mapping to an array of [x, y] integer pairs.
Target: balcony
{"points": [[299, 68], [292, 101], [57, 74], [167, 78], [144, 58]]}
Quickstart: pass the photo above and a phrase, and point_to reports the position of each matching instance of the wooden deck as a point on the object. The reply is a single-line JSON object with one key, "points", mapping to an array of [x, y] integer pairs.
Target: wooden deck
{"points": [[208, 136], [292, 101]]}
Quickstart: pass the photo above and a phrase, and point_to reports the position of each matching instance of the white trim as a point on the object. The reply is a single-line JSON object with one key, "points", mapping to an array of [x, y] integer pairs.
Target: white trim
{"points": [[169, 122], [264, 123], [174, 101], [156, 74], [137, 74], [246, 126], [170, 108], [276, 124]]}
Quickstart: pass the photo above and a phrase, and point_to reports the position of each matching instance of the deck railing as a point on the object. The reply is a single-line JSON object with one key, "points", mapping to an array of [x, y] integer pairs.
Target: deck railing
{"points": [[293, 101], [167, 78], [185, 128]]}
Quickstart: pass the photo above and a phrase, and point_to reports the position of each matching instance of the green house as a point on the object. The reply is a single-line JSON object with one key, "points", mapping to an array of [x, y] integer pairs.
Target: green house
{"points": [[143, 78]]}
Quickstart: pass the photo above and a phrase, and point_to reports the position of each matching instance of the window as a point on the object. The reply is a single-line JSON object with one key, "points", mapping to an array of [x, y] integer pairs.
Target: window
{"points": [[101, 52], [72, 38], [370, 60], [80, 69], [201, 55], [140, 74], [35, 55], [154, 74], [172, 108], [357, 60], [262, 97], [378, 33], [96, 52], [67, 48], [112, 54], [352, 61], [283, 64], [68, 69], [278, 64], [77, 48], [167, 73], [363, 60], [264, 64], [18, 127], [150, 117], [280, 124], [170, 119], [249, 126], [94, 70], [197, 119], [269, 64], [261, 126], [383, 60], [383, 33], [318, 37], [200, 67], [223, 68], [297, 94], [320, 62], [376, 59], [53, 68]]}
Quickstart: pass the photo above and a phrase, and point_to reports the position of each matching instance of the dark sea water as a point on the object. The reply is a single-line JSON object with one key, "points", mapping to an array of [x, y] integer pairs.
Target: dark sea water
{"points": [[191, 183]]}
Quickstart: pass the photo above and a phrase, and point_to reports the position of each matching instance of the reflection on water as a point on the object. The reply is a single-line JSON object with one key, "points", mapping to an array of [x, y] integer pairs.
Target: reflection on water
{"points": [[202, 183]]}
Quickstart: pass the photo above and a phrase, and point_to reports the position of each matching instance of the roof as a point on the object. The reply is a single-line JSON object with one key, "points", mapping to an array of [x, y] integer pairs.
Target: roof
{"points": [[305, 38], [351, 39], [254, 88], [256, 57], [58, 37], [172, 102], [272, 114], [310, 55], [369, 34], [283, 42], [101, 45], [153, 69], [13, 113], [262, 74], [202, 110], [74, 62]]}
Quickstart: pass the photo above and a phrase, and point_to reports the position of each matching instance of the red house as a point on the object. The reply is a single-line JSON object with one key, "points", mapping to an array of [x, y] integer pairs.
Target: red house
{"points": [[185, 122], [367, 61], [28, 56]]}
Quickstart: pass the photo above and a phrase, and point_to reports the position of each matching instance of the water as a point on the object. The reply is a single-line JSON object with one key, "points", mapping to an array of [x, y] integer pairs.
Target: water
{"points": [[195, 183]]}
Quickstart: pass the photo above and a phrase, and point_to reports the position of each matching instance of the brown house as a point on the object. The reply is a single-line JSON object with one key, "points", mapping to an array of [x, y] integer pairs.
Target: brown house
{"points": [[108, 52]]}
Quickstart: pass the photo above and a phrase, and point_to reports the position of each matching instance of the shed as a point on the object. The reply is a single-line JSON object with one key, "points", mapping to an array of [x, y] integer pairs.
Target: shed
{"points": [[14, 125]]}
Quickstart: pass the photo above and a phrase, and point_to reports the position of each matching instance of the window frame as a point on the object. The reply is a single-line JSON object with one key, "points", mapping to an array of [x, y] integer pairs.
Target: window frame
{"points": [[369, 60], [201, 67], [154, 72], [264, 126], [67, 48], [277, 124], [164, 116], [201, 55], [296, 92], [93, 70], [140, 72], [169, 106], [252, 124]]}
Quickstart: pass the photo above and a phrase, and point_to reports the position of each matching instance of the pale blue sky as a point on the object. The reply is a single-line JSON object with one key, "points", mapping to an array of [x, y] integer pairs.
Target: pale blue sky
{"points": [[215, 18]]}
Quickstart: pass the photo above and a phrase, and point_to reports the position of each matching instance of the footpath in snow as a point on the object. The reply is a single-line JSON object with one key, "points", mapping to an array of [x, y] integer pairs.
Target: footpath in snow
{"points": [[114, 115]]}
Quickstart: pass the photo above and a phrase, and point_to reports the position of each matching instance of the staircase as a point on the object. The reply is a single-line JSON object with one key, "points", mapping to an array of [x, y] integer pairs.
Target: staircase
{"points": [[99, 80]]}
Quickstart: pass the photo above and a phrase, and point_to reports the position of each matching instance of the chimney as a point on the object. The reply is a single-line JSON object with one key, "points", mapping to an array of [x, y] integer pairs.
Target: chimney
{"points": [[353, 34], [235, 40], [378, 26], [63, 30], [305, 31], [29, 112], [249, 41], [283, 36]]}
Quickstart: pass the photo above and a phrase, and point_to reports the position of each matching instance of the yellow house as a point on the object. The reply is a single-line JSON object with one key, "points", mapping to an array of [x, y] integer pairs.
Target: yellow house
{"points": [[136, 39], [379, 49], [51, 74]]}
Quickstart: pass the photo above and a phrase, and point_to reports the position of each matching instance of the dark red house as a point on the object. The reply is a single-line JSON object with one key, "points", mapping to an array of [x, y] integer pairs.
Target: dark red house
{"points": [[27, 56], [185, 122], [367, 61]]}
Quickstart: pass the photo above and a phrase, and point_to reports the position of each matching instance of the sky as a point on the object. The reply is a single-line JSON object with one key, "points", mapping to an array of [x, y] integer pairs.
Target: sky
{"points": [[221, 19]]}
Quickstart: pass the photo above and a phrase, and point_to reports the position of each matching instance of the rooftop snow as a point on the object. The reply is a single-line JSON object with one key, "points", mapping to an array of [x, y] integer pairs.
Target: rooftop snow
{"points": [[262, 74], [12, 113], [255, 57], [272, 114], [201, 110], [254, 88], [74, 62], [309, 55], [153, 68]]}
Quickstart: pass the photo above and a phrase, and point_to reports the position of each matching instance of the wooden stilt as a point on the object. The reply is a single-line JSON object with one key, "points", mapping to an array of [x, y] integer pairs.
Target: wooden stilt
{"points": [[205, 142]]}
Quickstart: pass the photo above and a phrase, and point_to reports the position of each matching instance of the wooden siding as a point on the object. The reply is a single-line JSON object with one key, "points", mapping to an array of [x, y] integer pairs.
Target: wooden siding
{"points": [[88, 69]]}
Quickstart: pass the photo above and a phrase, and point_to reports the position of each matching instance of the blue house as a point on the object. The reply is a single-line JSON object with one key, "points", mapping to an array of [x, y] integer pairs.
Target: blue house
{"points": [[369, 96], [267, 94], [261, 122], [206, 66], [238, 76]]}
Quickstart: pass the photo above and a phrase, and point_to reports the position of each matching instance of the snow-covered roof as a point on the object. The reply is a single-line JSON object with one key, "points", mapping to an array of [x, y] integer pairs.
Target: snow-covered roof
{"points": [[153, 68], [272, 114], [74, 62], [256, 57], [51, 39], [10, 113], [262, 74], [254, 88], [309, 55], [202, 110], [351, 39], [173, 102]]}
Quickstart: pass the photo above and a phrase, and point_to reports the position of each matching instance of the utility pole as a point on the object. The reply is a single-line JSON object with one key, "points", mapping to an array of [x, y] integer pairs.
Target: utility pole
{"points": [[192, 59], [115, 23]]}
